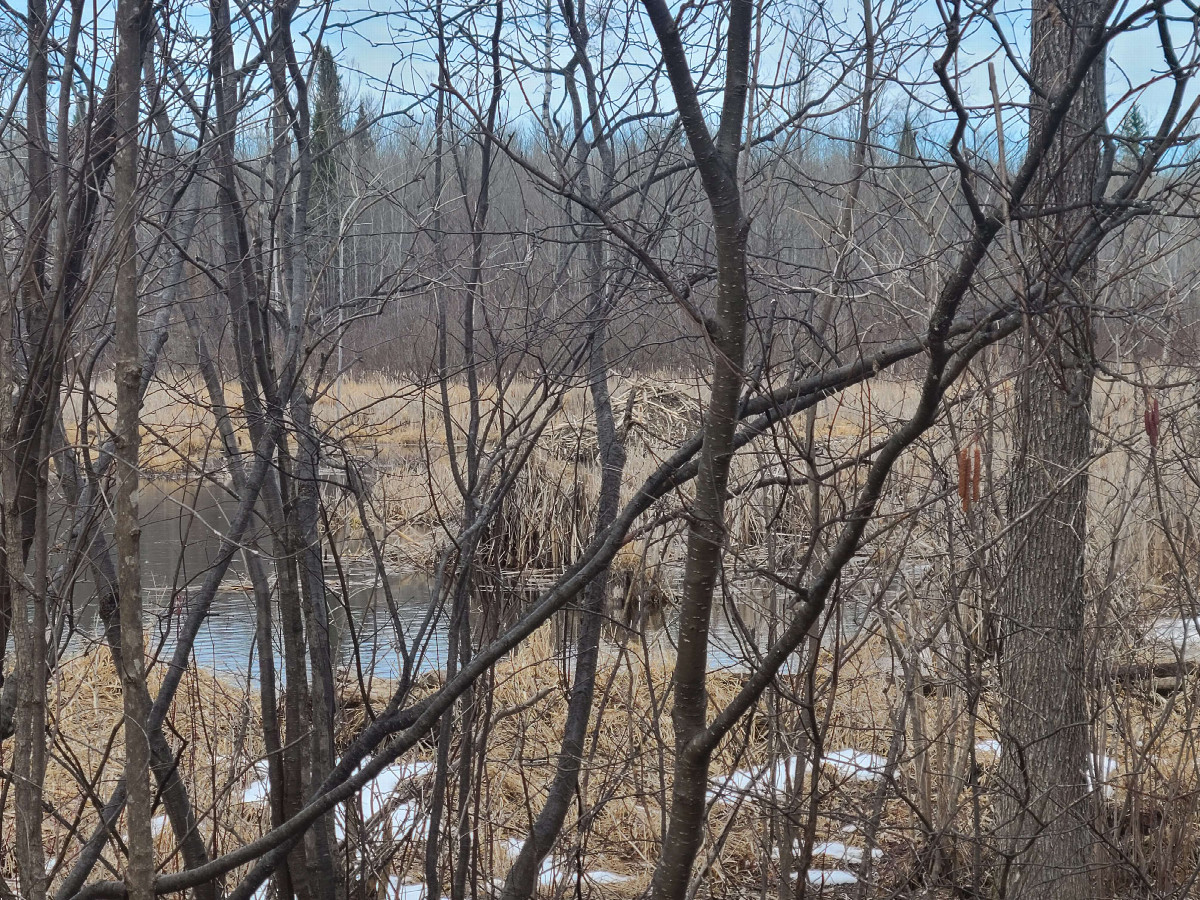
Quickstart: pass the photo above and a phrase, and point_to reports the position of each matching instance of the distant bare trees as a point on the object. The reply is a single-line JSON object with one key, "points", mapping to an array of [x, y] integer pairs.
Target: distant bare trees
{"points": [[560, 231]]}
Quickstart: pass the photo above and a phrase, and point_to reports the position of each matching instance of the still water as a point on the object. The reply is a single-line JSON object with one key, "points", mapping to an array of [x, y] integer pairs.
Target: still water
{"points": [[181, 534]]}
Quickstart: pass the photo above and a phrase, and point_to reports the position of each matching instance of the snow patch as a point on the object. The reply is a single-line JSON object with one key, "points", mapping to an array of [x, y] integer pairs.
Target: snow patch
{"points": [[602, 877], [849, 763], [551, 871], [856, 764], [830, 877], [259, 789], [745, 781], [1182, 635], [836, 851], [988, 748], [397, 890], [1104, 767], [407, 820]]}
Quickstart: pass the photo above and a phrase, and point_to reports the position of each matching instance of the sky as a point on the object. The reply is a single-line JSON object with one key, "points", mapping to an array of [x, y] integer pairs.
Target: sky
{"points": [[384, 50], [387, 57]]}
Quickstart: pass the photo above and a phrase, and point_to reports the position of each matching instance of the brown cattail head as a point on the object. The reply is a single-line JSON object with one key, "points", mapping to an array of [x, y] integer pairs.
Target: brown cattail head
{"points": [[975, 475], [964, 478], [1152, 421]]}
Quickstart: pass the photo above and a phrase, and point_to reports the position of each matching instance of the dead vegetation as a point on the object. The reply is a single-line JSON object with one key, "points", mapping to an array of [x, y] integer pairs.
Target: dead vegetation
{"points": [[908, 725], [872, 788]]}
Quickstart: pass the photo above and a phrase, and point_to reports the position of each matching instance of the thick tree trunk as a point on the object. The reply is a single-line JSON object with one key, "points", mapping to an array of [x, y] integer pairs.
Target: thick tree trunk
{"points": [[1045, 809], [1045, 800]]}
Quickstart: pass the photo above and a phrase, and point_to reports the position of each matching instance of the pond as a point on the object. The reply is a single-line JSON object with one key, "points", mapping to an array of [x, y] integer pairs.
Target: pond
{"points": [[181, 534]]}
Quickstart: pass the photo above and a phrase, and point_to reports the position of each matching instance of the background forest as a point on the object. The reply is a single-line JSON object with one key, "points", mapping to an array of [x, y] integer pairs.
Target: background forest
{"points": [[498, 448]]}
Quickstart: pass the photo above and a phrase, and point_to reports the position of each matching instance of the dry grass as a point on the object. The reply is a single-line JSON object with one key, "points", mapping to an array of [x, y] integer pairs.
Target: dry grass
{"points": [[214, 729], [1137, 501], [628, 764]]}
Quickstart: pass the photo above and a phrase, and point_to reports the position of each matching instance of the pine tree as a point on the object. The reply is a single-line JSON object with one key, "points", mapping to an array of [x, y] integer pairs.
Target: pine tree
{"points": [[1132, 132], [907, 150], [329, 152], [328, 136]]}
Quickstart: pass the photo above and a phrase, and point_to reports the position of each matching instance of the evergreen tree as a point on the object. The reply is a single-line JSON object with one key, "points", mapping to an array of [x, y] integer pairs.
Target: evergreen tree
{"points": [[907, 150], [1132, 131], [328, 136], [364, 132]]}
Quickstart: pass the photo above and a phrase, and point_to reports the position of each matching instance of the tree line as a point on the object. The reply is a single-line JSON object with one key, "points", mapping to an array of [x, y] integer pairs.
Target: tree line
{"points": [[547, 225]]}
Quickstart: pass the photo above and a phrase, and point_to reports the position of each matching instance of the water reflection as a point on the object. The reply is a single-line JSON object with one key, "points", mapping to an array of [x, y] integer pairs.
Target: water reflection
{"points": [[181, 534]]}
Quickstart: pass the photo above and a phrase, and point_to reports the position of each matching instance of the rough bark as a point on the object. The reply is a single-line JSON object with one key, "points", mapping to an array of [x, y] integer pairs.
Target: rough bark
{"points": [[1045, 802]]}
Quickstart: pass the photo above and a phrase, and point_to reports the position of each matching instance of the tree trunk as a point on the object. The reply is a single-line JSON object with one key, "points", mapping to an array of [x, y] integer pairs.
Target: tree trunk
{"points": [[139, 873], [717, 162], [1045, 801], [521, 880]]}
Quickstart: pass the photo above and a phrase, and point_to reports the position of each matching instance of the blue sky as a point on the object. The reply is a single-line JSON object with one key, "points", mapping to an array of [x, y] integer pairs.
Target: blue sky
{"points": [[383, 48]]}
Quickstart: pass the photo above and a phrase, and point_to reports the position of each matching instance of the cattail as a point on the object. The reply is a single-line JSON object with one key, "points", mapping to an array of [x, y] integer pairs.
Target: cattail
{"points": [[1151, 419], [976, 475], [964, 478]]}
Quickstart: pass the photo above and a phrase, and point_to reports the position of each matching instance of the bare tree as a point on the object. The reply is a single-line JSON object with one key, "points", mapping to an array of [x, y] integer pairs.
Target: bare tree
{"points": [[716, 319]]}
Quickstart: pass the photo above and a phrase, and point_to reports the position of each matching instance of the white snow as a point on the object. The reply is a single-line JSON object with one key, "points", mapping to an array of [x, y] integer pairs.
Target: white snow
{"points": [[376, 794], [397, 890], [407, 820], [602, 877], [1105, 767], [745, 781], [551, 871], [829, 877], [988, 748], [849, 763], [399, 772], [259, 790], [836, 851], [1177, 634], [856, 764], [157, 824]]}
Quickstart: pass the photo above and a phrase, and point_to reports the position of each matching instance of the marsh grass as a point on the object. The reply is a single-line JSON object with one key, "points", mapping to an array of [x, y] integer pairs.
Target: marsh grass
{"points": [[214, 728], [928, 563]]}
